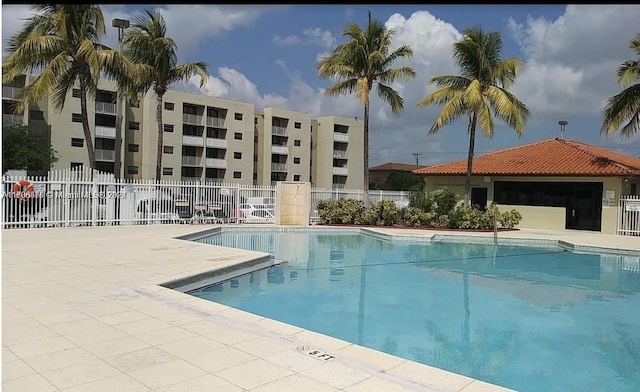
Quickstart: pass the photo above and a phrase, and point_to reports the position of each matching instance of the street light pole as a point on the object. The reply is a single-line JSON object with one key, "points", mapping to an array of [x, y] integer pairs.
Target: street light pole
{"points": [[121, 25]]}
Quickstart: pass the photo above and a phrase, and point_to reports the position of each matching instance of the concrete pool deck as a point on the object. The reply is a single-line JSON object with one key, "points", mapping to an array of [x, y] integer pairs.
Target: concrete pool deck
{"points": [[83, 310]]}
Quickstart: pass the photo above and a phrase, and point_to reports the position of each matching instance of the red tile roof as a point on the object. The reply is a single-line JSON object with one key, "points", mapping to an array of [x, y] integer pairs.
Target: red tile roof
{"points": [[395, 166], [552, 157]]}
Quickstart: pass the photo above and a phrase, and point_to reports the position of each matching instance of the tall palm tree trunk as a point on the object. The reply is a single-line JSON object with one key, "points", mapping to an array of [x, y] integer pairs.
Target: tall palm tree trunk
{"points": [[366, 153], [88, 139], [472, 143], [160, 137]]}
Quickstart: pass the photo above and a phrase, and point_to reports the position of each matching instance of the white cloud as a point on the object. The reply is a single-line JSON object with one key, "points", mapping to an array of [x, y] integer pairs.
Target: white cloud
{"points": [[315, 36], [13, 17]]}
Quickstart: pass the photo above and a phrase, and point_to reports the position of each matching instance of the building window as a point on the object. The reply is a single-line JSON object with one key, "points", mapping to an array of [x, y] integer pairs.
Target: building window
{"points": [[237, 135], [255, 176], [167, 149], [238, 116], [76, 117], [134, 148], [168, 127], [296, 177], [77, 142], [296, 142], [36, 115], [132, 169], [168, 106], [237, 155], [134, 126], [76, 165], [297, 125], [296, 161], [237, 174], [75, 93], [167, 171], [256, 121]]}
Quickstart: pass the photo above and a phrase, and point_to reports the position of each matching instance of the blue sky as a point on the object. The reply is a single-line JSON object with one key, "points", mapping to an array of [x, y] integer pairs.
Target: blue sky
{"points": [[267, 55]]}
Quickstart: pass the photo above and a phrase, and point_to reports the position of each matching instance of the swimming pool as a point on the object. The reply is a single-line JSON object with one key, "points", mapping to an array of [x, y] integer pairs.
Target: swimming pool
{"points": [[528, 318]]}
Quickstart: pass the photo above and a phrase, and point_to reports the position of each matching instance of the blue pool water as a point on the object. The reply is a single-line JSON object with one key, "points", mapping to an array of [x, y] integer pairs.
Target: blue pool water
{"points": [[528, 318]]}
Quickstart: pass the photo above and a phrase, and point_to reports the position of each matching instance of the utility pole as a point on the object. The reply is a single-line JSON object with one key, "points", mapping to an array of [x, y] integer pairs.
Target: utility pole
{"points": [[417, 155], [121, 25]]}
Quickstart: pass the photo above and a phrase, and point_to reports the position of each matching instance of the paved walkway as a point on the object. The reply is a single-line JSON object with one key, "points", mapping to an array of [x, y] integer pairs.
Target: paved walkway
{"points": [[82, 310]]}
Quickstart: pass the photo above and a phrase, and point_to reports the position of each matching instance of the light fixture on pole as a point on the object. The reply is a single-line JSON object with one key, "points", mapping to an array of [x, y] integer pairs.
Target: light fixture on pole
{"points": [[563, 125], [121, 25]]}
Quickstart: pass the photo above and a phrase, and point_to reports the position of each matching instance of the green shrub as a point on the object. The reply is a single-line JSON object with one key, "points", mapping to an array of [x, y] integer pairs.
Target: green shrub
{"points": [[416, 217], [467, 217], [341, 211], [510, 219], [445, 201], [421, 201], [382, 213]]}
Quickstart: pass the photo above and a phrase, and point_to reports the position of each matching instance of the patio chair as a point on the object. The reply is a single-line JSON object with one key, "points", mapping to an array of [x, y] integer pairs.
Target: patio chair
{"points": [[183, 209], [199, 211], [237, 217], [215, 214]]}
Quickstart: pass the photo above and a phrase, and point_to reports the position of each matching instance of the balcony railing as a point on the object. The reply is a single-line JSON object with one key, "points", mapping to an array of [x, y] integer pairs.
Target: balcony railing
{"points": [[216, 122], [339, 154], [214, 179], [192, 119], [105, 155], [11, 92], [106, 107], [190, 179], [190, 160], [278, 167], [279, 131], [340, 137], [103, 131], [340, 171], [216, 143], [282, 150], [12, 118], [193, 140], [337, 186], [216, 163]]}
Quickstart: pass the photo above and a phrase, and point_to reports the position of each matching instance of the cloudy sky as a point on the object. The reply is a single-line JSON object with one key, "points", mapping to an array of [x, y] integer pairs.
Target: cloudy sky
{"points": [[267, 55]]}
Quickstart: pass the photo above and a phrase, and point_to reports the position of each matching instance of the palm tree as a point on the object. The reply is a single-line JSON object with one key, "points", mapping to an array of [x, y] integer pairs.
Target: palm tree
{"points": [[61, 43], [481, 88], [364, 60], [147, 45], [625, 107]]}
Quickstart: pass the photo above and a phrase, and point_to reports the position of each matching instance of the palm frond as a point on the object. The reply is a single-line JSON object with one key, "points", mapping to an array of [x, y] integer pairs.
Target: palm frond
{"points": [[392, 74], [505, 72], [451, 80], [628, 73], [620, 109], [508, 108], [185, 71], [343, 87], [441, 96], [452, 110], [391, 96]]}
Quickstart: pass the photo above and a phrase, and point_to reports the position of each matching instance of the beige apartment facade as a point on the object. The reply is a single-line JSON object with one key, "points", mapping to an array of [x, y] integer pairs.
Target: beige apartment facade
{"points": [[337, 153], [205, 138]]}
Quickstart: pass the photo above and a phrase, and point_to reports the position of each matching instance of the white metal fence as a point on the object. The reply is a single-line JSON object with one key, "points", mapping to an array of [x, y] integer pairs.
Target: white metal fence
{"points": [[82, 198], [401, 198], [629, 215]]}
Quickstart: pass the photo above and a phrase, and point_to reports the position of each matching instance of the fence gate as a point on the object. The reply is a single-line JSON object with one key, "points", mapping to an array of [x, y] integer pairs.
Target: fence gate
{"points": [[629, 215]]}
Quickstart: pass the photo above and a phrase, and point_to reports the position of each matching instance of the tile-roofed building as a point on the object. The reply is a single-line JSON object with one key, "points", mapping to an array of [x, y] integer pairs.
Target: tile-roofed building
{"points": [[554, 183], [378, 174], [552, 157]]}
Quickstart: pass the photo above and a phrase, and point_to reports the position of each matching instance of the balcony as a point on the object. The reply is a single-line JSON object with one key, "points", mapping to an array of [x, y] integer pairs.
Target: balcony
{"points": [[282, 150], [216, 143], [190, 179], [278, 131], [191, 160], [106, 108], [193, 140], [12, 118], [340, 171], [192, 119], [105, 155], [340, 137], [102, 131], [337, 186], [11, 92], [339, 154], [216, 163], [216, 122], [278, 167], [214, 179]]}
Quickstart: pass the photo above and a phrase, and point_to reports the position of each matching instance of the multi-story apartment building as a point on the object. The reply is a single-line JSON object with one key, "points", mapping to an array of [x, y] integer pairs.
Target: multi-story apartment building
{"points": [[337, 153], [204, 138]]}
